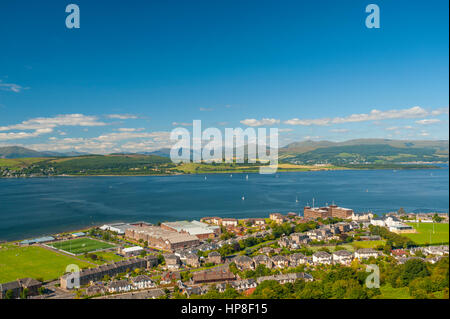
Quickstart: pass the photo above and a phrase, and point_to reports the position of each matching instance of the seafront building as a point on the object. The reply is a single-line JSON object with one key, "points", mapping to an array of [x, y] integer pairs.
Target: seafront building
{"points": [[194, 228], [159, 237], [327, 211]]}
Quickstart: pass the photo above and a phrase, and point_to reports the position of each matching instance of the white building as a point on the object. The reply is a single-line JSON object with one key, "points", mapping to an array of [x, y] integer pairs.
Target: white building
{"points": [[342, 257], [365, 253], [131, 251], [322, 257]]}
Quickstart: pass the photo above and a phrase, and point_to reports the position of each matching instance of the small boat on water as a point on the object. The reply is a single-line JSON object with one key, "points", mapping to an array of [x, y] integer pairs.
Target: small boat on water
{"points": [[243, 198], [246, 177]]}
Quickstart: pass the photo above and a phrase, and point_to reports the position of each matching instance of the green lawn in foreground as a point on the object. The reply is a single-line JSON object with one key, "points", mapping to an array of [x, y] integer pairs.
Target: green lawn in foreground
{"points": [[425, 230], [33, 261], [80, 245], [387, 292]]}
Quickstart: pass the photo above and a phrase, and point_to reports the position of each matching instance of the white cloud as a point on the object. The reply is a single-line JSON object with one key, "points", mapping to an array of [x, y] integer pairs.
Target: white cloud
{"points": [[130, 129], [108, 143], [181, 124], [374, 115], [281, 130], [52, 122], [440, 111], [206, 109], [428, 121], [339, 130], [311, 137], [392, 128], [122, 116], [44, 125], [264, 121], [11, 87]]}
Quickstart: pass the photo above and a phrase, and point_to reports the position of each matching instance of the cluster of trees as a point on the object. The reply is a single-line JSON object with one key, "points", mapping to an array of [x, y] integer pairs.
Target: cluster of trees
{"points": [[341, 283], [283, 229], [304, 227], [392, 239], [244, 244], [424, 280]]}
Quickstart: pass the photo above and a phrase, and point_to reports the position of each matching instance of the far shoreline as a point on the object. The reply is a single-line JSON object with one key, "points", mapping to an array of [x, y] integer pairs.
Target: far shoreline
{"points": [[430, 166]]}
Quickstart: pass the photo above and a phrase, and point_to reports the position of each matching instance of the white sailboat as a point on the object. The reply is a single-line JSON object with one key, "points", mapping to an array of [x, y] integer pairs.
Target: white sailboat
{"points": [[243, 197], [296, 199]]}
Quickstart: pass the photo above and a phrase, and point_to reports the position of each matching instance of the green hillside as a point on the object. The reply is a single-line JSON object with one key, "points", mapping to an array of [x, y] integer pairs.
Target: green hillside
{"points": [[367, 154], [87, 165]]}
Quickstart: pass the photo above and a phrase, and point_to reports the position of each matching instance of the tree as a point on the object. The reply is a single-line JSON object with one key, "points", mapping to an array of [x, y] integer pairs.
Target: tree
{"points": [[412, 269], [41, 290], [9, 294], [437, 219], [24, 293], [401, 211]]}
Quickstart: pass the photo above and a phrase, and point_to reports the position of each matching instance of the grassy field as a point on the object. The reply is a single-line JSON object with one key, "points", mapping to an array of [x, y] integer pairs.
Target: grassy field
{"points": [[425, 232], [17, 163], [387, 292], [368, 244], [80, 245], [102, 257], [33, 261]]}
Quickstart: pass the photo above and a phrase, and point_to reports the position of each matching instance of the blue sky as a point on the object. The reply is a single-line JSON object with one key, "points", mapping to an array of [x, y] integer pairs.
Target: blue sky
{"points": [[137, 69]]}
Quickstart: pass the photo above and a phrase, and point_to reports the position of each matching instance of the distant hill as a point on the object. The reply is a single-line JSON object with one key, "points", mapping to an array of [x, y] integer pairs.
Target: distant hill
{"points": [[164, 152], [368, 151], [306, 146], [22, 152]]}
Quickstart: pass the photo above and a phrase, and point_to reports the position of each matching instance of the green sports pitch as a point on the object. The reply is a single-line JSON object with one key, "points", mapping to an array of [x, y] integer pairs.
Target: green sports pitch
{"points": [[80, 245]]}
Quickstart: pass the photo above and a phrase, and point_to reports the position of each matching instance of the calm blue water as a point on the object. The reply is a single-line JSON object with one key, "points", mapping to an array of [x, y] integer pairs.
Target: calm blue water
{"points": [[40, 206]]}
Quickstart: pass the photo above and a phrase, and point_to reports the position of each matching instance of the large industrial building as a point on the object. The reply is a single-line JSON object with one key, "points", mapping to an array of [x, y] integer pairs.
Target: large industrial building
{"points": [[161, 238], [194, 228], [327, 211]]}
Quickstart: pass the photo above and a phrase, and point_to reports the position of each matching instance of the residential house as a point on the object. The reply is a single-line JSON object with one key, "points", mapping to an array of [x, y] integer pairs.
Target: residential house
{"points": [[169, 277], [214, 257], [300, 238], [142, 282], [365, 253], [229, 222], [192, 260], [298, 259], [277, 218], [95, 289], [343, 257], [266, 250], [322, 257], [17, 286], [241, 285], [213, 275], [263, 260], [244, 262], [119, 286], [286, 278], [172, 261], [280, 261]]}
